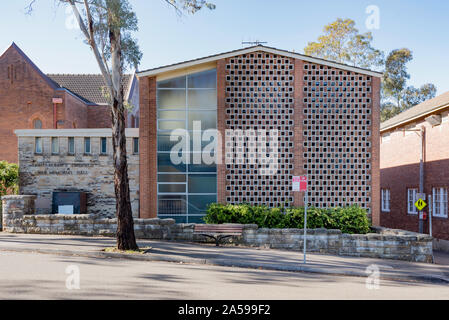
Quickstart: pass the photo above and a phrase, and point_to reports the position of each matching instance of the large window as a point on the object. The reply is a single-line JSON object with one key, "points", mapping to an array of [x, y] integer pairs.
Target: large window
{"points": [[412, 197], [439, 207], [185, 189]]}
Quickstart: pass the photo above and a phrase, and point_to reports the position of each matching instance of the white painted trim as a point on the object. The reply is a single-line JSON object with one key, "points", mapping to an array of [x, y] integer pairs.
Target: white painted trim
{"points": [[191, 63], [130, 85], [414, 118], [186, 71], [130, 132]]}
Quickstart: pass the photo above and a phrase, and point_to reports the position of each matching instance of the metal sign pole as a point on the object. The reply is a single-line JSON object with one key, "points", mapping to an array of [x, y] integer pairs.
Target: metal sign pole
{"points": [[305, 227], [430, 214]]}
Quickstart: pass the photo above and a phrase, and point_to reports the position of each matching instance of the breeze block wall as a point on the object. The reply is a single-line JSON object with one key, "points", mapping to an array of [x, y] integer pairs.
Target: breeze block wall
{"points": [[327, 120], [338, 138], [259, 96]]}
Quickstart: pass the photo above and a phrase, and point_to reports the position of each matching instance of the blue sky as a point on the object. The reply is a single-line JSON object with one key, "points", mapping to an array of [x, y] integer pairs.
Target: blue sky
{"points": [[165, 38]]}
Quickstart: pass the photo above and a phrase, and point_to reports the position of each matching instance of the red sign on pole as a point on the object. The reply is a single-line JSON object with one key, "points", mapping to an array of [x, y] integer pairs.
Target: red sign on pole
{"points": [[300, 184], [303, 183]]}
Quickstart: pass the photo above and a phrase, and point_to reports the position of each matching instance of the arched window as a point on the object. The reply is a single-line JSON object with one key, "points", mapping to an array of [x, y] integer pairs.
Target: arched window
{"points": [[37, 124]]}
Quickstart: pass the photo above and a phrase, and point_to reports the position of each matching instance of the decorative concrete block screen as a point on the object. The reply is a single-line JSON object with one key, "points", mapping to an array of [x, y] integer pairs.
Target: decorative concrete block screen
{"points": [[75, 160], [337, 136], [259, 96]]}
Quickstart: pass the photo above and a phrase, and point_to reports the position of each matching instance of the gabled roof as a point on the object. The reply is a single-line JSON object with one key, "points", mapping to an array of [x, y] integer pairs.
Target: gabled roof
{"points": [[190, 63], [88, 87], [13, 46], [426, 108]]}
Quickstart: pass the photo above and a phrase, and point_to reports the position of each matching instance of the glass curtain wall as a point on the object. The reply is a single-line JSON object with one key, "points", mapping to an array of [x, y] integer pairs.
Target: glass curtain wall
{"points": [[184, 190]]}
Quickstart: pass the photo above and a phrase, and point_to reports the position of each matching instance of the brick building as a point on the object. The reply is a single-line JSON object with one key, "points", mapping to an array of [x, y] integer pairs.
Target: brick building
{"points": [[30, 99], [326, 115], [425, 126]]}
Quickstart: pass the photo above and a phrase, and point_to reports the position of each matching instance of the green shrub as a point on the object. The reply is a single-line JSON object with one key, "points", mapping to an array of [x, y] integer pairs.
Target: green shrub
{"points": [[351, 219], [9, 176]]}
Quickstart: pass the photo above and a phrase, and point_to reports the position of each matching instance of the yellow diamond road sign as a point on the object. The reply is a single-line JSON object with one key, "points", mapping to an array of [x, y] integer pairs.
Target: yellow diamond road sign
{"points": [[420, 204]]}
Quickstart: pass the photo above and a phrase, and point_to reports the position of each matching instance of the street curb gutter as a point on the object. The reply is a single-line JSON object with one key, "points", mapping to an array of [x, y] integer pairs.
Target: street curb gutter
{"points": [[226, 263]]}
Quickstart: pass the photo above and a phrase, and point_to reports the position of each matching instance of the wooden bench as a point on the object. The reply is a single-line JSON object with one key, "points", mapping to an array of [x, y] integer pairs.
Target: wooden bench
{"points": [[218, 232]]}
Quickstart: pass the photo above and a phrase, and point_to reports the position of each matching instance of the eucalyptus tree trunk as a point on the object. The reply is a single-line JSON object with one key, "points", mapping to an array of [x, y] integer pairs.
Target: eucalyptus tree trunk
{"points": [[125, 224]]}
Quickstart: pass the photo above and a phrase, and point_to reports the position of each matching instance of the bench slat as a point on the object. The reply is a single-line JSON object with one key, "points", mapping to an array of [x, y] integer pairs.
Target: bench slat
{"points": [[219, 229]]}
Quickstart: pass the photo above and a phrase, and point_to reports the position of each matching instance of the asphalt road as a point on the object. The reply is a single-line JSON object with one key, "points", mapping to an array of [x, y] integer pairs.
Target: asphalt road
{"points": [[43, 276]]}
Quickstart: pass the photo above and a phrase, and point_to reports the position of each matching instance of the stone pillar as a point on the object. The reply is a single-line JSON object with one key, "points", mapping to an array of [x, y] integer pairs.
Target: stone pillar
{"points": [[14, 207]]}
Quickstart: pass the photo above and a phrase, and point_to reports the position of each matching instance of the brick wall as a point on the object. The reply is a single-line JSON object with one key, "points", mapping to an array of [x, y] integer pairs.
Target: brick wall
{"points": [[75, 115], [99, 116], [221, 127], [148, 148], [26, 95], [328, 120], [399, 163], [18, 110], [298, 133]]}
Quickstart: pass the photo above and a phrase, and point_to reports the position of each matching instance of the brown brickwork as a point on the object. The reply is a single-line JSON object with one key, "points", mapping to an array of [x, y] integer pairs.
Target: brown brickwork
{"points": [[326, 117], [399, 170], [375, 160], [26, 95], [298, 136], [75, 113], [221, 127], [148, 148], [18, 110], [99, 116]]}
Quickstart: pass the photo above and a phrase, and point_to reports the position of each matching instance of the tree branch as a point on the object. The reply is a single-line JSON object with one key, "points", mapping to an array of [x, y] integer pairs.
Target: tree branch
{"points": [[91, 40]]}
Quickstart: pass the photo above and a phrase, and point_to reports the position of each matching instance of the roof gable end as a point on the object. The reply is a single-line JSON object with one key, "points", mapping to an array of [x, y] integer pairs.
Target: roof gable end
{"points": [[258, 48], [15, 48], [426, 108]]}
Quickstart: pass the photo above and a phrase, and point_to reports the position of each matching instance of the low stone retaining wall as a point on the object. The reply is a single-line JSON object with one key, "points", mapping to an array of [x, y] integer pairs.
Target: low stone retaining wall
{"points": [[18, 217]]}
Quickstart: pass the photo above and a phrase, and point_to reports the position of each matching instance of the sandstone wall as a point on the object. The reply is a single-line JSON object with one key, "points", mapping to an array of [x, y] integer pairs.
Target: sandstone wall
{"points": [[385, 243], [92, 173]]}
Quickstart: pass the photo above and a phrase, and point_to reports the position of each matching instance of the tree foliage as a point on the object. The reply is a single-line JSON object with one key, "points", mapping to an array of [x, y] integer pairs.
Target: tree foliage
{"points": [[413, 96], [396, 95], [9, 176], [342, 42], [107, 26], [395, 75], [190, 6]]}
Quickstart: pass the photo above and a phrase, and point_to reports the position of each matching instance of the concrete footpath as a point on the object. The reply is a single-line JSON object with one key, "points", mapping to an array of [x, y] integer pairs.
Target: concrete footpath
{"points": [[269, 259]]}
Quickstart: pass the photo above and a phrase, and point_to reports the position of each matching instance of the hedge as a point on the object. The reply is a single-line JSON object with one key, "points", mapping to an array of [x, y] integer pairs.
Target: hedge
{"points": [[351, 219]]}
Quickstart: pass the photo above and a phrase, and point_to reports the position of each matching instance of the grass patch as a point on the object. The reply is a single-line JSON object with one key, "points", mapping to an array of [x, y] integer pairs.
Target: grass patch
{"points": [[139, 251]]}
